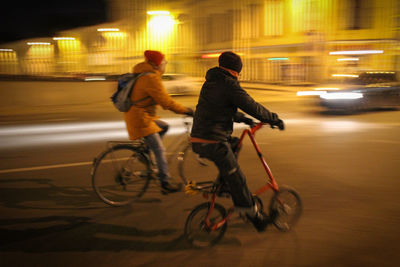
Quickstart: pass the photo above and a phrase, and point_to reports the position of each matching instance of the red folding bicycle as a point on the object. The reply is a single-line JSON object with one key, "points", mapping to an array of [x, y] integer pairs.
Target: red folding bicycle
{"points": [[207, 222]]}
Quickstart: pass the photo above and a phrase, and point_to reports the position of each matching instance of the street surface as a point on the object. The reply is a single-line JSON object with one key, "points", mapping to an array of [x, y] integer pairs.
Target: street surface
{"points": [[345, 167]]}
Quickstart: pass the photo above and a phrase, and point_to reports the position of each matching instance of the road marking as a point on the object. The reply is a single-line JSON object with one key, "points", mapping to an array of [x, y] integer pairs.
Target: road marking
{"points": [[46, 167]]}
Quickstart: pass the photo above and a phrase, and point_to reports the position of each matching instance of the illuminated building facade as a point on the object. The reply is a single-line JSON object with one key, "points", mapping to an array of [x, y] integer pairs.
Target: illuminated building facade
{"points": [[280, 41]]}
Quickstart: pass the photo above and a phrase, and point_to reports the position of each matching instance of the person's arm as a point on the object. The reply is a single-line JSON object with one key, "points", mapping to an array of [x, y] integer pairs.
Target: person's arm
{"points": [[240, 117], [157, 91], [246, 103]]}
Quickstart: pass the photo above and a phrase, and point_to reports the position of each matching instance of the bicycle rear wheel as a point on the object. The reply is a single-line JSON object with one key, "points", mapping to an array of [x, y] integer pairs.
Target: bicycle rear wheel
{"points": [[120, 175], [285, 208], [193, 168], [197, 232]]}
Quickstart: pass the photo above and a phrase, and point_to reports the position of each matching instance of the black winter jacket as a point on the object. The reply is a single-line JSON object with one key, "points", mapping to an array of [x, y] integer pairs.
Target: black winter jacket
{"points": [[220, 97]]}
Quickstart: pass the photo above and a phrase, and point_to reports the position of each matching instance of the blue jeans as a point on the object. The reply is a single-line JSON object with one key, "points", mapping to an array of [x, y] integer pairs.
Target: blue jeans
{"points": [[156, 145]]}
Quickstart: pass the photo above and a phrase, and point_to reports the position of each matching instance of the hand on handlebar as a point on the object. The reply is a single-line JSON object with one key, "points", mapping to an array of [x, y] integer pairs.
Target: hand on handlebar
{"points": [[275, 121], [249, 122], [190, 112], [279, 123]]}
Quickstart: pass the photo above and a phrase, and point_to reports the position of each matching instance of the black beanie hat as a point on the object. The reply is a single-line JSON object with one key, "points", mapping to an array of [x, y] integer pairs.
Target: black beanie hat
{"points": [[230, 61]]}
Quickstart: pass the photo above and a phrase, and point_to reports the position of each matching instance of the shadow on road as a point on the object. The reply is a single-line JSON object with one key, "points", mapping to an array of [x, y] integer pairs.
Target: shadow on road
{"points": [[69, 233], [40, 193], [47, 232]]}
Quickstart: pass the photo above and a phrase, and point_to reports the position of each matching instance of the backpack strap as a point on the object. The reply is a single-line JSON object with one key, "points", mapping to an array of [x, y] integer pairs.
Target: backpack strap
{"points": [[144, 98]]}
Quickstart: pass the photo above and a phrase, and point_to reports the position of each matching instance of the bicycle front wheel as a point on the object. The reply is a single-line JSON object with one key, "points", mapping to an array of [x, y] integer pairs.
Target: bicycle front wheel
{"points": [[194, 168], [197, 232], [120, 175], [285, 208]]}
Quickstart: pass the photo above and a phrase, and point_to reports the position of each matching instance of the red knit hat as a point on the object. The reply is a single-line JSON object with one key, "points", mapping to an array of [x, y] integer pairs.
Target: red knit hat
{"points": [[154, 56]]}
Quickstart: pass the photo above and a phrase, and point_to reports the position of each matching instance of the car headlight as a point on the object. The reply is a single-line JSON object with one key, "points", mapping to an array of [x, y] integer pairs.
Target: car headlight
{"points": [[338, 96]]}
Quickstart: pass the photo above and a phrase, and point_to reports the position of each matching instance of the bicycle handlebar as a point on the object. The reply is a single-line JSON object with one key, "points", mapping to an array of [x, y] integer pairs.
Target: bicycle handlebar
{"points": [[257, 125]]}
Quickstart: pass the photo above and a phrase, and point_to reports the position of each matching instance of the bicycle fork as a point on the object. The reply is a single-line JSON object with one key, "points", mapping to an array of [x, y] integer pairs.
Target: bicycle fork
{"points": [[210, 226]]}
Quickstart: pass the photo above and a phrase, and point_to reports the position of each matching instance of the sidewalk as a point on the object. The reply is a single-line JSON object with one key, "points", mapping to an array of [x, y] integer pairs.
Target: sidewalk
{"points": [[289, 87], [100, 101]]}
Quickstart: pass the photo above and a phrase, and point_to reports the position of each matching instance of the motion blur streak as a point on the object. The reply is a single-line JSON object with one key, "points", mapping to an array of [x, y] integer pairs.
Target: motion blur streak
{"points": [[65, 133], [346, 126], [71, 127], [69, 133]]}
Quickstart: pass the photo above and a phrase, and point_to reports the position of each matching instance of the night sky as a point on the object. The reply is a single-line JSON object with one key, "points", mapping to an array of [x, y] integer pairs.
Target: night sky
{"points": [[22, 20]]}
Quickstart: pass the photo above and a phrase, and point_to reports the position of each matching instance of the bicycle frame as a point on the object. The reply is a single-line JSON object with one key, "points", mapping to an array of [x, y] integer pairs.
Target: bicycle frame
{"points": [[271, 183]]}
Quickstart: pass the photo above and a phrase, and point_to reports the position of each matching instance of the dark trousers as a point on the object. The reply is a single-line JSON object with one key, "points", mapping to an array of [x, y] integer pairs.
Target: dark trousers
{"points": [[224, 158]]}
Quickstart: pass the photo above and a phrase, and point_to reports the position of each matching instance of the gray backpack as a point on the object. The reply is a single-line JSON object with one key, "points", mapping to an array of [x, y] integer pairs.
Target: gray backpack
{"points": [[121, 97]]}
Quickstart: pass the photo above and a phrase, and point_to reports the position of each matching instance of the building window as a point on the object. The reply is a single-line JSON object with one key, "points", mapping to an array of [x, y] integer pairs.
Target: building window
{"points": [[273, 18]]}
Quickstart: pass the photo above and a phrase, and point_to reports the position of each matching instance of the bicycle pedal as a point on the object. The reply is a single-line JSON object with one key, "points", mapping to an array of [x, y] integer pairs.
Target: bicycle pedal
{"points": [[190, 189]]}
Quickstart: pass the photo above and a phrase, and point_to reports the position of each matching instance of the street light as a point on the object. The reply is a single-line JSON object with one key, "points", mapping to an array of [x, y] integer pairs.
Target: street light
{"points": [[108, 30], [63, 38], [161, 29]]}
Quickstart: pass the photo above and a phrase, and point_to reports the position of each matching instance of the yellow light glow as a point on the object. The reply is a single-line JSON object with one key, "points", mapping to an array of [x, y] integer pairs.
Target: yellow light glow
{"points": [[356, 52], [162, 24], [341, 96], [345, 75], [211, 55], [115, 34], [38, 43], [215, 55], [69, 46], [158, 12], [326, 89], [387, 72], [308, 93], [161, 32], [63, 38], [40, 52], [108, 30], [348, 59]]}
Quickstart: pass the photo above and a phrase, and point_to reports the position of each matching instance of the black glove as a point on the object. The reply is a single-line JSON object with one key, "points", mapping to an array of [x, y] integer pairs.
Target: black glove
{"points": [[275, 121], [280, 125], [190, 112], [248, 121], [274, 118]]}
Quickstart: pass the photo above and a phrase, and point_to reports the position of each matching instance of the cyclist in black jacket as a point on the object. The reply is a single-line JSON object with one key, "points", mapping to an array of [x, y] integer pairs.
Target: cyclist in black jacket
{"points": [[219, 100]]}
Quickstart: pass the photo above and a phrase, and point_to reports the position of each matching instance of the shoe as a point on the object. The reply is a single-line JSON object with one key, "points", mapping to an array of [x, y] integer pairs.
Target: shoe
{"points": [[168, 187], [260, 220]]}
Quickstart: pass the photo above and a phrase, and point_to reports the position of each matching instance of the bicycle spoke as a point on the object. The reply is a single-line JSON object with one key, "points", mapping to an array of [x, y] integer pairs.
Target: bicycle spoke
{"points": [[196, 230], [285, 208], [119, 177]]}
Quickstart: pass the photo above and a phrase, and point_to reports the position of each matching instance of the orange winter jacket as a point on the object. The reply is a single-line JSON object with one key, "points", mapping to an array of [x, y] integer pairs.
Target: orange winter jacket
{"points": [[140, 118]]}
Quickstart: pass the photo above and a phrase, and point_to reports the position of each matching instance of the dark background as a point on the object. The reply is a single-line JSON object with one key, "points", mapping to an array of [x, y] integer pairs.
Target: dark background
{"points": [[23, 20]]}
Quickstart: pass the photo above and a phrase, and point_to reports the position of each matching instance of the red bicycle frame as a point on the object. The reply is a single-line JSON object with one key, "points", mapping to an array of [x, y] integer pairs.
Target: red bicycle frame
{"points": [[271, 183]]}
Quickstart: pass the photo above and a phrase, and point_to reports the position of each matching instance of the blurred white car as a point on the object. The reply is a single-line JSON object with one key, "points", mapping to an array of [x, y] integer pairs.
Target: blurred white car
{"points": [[178, 84]]}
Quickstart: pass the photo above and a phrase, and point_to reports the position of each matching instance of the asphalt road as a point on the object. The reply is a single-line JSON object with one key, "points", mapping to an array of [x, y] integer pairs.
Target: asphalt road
{"points": [[344, 167]]}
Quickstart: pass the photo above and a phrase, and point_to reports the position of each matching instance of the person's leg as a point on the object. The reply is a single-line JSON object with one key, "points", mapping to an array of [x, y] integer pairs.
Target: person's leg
{"points": [[164, 127], [221, 154], [155, 144]]}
